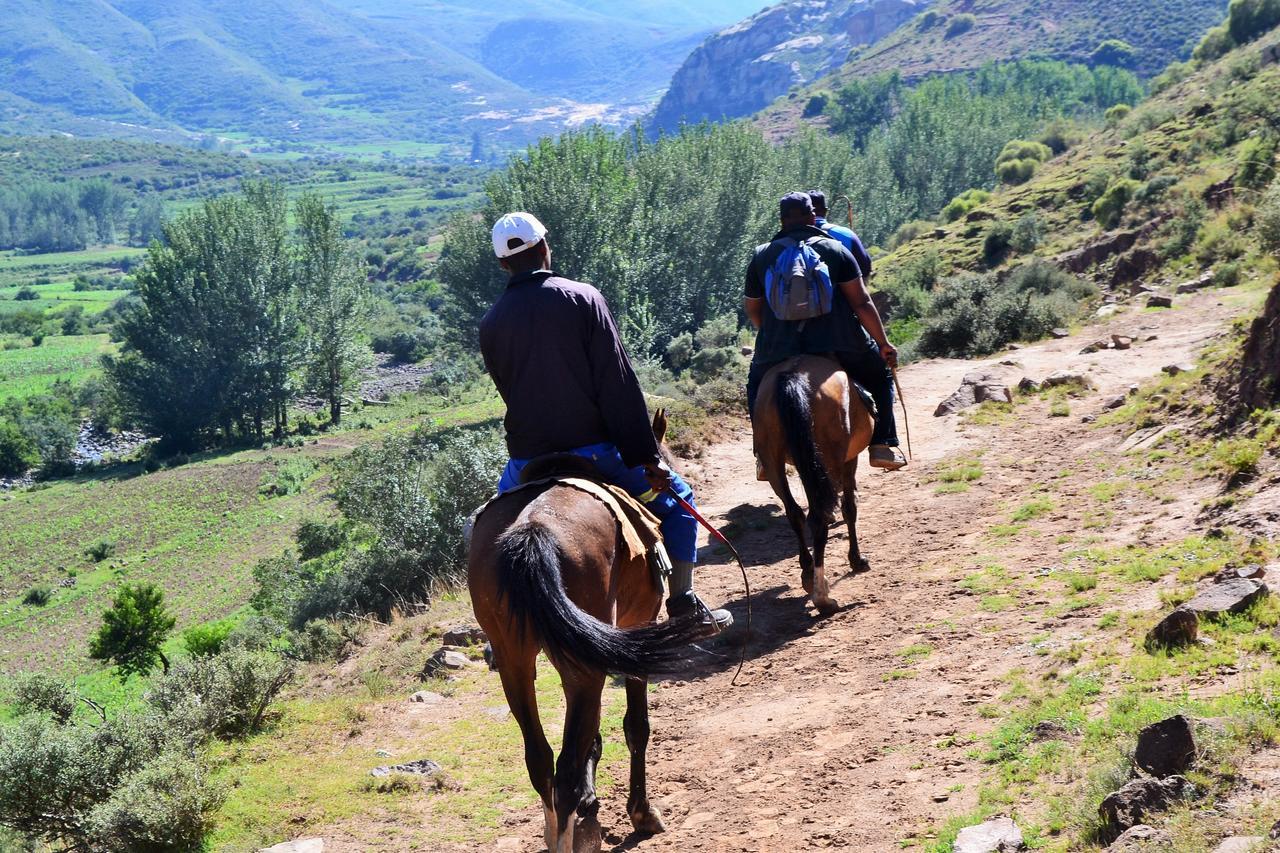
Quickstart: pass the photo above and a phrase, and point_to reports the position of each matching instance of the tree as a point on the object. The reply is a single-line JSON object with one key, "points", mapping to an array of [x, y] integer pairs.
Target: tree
{"points": [[334, 301], [1115, 52], [133, 631], [148, 221]]}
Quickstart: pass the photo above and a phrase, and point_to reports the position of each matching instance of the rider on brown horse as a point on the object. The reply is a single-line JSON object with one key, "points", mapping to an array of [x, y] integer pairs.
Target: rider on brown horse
{"points": [[555, 355], [852, 331]]}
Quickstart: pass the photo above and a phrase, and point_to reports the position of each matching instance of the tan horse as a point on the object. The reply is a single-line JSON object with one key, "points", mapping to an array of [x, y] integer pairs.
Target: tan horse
{"points": [[548, 571], [808, 414]]}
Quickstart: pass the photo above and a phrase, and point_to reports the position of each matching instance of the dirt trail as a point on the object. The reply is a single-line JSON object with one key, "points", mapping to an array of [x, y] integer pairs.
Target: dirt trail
{"points": [[826, 743]]}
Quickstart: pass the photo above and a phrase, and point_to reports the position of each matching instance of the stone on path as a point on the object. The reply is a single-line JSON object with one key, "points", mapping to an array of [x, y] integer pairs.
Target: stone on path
{"points": [[1121, 341], [1240, 844], [426, 697], [421, 767], [1141, 839], [1166, 748], [1231, 596], [1117, 402], [1027, 385], [302, 845], [1060, 333], [975, 388], [1196, 283], [1175, 369], [1127, 807], [1096, 346], [464, 635], [1179, 628], [995, 836], [1159, 300], [444, 660], [1066, 377]]}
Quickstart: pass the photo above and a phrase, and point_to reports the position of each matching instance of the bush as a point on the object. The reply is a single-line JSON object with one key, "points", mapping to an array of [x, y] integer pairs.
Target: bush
{"points": [[36, 693], [289, 477], [225, 695], [1267, 221], [963, 203], [1028, 231], [405, 345], [817, 104], [1180, 231], [1248, 19], [1114, 52], [995, 245], [1109, 208], [1060, 136], [1023, 149], [100, 550], [17, 452], [167, 805], [1256, 162], [680, 352], [1015, 172], [960, 24], [207, 639], [1114, 115], [908, 231], [1216, 43], [133, 631], [317, 538], [26, 294], [38, 595]]}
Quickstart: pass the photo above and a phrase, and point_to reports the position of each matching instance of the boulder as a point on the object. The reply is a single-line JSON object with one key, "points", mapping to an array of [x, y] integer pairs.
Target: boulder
{"points": [[421, 767], [1175, 369], [302, 845], [995, 836], [464, 635], [1060, 333], [975, 388], [1066, 377], [1127, 807], [1166, 748], [1231, 596], [1106, 311], [443, 661], [1196, 283], [1121, 341], [1117, 402], [1140, 287], [1027, 385], [1240, 844], [1159, 300], [1179, 628], [1237, 572], [1141, 839]]}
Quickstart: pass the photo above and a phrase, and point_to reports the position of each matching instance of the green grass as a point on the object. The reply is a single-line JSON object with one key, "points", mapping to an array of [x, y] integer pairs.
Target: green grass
{"points": [[30, 370], [1033, 509], [60, 295]]}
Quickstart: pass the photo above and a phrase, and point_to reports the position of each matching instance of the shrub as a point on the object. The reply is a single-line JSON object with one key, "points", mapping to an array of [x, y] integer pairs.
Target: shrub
{"points": [[928, 20], [133, 631], [1219, 241], [995, 244], [207, 639], [37, 693], [100, 550], [38, 595], [1267, 220], [680, 352], [961, 24], [37, 339], [1115, 52], [167, 805], [1248, 19], [1227, 275], [1114, 115], [289, 477], [1256, 162], [405, 345], [963, 203], [1109, 208], [26, 294], [1023, 149], [1015, 172], [908, 231], [1060, 136], [1216, 43], [1027, 233], [17, 451], [317, 538], [1171, 76], [817, 104], [1180, 231], [225, 695]]}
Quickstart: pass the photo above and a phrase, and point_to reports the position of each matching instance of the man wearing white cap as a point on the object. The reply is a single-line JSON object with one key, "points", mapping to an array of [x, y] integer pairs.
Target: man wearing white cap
{"points": [[553, 350]]}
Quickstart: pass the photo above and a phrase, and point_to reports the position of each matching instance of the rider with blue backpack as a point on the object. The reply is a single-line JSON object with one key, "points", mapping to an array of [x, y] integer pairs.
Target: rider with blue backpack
{"points": [[807, 295]]}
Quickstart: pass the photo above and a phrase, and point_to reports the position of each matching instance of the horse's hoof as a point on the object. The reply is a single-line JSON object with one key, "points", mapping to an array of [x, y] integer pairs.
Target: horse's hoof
{"points": [[648, 822], [587, 836], [859, 566], [827, 607]]}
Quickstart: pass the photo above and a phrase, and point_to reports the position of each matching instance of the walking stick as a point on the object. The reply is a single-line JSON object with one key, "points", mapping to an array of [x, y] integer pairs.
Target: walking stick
{"points": [[906, 422]]}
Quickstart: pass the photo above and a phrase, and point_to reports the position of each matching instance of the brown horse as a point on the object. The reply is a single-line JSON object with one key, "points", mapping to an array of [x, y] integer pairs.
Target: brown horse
{"points": [[548, 571], [808, 414]]}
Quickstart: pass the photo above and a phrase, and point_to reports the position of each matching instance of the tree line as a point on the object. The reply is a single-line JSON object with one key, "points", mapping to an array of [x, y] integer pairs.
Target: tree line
{"points": [[241, 310], [664, 227], [44, 216]]}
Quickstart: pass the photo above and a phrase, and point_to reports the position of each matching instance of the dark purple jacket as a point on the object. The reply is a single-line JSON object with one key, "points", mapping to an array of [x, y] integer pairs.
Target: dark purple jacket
{"points": [[553, 349]]}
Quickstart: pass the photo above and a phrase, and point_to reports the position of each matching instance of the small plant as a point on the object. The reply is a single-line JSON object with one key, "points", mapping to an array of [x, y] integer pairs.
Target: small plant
{"points": [[961, 24], [100, 550], [1109, 208], [1059, 409], [1033, 509], [207, 639], [289, 477], [38, 595], [963, 203], [133, 631]]}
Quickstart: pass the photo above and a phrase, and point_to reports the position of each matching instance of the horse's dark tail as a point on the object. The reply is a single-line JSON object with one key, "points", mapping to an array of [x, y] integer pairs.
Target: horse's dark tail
{"points": [[530, 584], [795, 409]]}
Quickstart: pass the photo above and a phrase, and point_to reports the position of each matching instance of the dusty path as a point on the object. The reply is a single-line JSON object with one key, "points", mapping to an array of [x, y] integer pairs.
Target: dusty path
{"points": [[832, 739]]}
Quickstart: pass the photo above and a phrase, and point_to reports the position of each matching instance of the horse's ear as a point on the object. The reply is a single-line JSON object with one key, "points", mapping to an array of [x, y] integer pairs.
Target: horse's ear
{"points": [[660, 425]]}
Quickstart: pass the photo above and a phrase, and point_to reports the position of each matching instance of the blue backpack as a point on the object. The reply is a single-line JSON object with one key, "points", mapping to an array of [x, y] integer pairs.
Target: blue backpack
{"points": [[798, 285]]}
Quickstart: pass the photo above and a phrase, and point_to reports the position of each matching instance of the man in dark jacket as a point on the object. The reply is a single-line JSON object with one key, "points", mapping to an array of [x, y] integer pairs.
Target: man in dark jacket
{"points": [[852, 331], [555, 355]]}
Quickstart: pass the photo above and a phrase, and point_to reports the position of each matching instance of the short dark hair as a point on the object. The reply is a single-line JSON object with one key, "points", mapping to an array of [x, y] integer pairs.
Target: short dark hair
{"points": [[819, 199], [793, 204], [529, 259]]}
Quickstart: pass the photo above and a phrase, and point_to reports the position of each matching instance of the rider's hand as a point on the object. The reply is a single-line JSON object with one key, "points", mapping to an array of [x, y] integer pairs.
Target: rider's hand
{"points": [[890, 354], [658, 475]]}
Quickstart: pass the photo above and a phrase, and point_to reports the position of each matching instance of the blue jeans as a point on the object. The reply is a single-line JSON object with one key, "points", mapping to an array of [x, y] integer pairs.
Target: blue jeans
{"points": [[679, 528]]}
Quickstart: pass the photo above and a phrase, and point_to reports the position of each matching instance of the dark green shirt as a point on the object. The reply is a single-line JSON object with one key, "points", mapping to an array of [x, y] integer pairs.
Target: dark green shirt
{"points": [[839, 331]]}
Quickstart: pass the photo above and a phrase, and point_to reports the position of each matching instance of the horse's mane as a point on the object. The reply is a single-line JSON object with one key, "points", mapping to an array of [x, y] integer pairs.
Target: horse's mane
{"points": [[559, 465]]}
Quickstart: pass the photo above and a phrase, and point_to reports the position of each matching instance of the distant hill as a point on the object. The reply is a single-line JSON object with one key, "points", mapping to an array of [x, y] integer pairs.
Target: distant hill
{"points": [[347, 71], [790, 48]]}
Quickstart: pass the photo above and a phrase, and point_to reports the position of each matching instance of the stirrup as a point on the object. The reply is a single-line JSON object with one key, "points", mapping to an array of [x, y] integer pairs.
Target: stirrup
{"points": [[689, 604]]}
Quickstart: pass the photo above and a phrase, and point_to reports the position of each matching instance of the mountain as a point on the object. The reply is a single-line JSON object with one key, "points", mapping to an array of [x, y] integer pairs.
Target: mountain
{"points": [[338, 71], [744, 68], [791, 47]]}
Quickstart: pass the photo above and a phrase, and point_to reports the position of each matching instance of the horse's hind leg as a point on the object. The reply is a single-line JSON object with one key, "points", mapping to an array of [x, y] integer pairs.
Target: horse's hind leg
{"points": [[644, 817], [821, 591], [795, 515], [518, 672], [857, 563], [575, 801]]}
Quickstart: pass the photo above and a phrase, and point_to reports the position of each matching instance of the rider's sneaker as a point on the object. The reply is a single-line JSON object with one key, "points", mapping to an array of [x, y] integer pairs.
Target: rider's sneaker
{"points": [[688, 604], [887, 458]]}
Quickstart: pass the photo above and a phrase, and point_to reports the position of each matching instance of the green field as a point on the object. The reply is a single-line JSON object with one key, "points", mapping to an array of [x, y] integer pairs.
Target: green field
{"points": [[17, 269], [30, 370], [60, 295]]}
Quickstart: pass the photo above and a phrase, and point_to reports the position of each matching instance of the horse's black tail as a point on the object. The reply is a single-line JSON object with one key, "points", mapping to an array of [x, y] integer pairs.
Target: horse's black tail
{"points": [[795, 409], [530, 583]]}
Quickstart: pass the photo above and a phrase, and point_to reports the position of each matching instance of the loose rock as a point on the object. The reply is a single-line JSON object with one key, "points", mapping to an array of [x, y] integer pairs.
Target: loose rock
{"points": [[1238, 572], [1159, 300], [302, 845], [1066, 377], [1231, 596], [421, 767], [1028, 385], [1141, 839], [1096, 346], [1179, 628], [1240, 844], [1175, 369], [1060, 333], [1117, 402], [426, 697], [464, 635], [1166, 748], [995, 836], [975, 388], [1127, 807], [444, 660], [1121, 341]]}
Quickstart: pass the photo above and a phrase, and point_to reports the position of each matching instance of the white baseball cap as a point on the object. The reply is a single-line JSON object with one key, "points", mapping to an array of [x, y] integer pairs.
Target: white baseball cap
{"points": [[524, 227]]}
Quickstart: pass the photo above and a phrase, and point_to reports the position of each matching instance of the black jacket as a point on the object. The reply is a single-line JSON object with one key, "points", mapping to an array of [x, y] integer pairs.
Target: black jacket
{"points": [[554, 352]]}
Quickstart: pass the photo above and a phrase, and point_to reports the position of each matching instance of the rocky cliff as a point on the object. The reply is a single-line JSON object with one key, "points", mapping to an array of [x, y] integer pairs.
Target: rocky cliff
{"points": [[742, 69]]}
